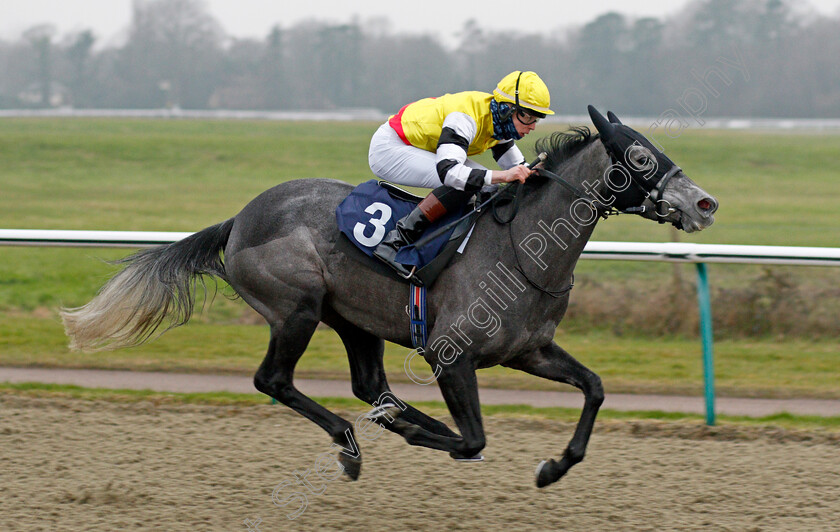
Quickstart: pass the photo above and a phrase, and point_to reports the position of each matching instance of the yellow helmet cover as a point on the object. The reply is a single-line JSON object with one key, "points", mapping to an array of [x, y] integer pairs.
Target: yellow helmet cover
{"points": [[533, 92]]}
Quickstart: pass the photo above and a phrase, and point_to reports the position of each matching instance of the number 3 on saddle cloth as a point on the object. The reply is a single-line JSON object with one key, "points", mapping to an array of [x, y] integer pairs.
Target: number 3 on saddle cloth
{"points": [[372, 210]]}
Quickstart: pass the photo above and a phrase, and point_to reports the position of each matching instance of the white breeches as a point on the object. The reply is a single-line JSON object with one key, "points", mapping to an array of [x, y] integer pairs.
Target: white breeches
{"points": [[393, 160]]}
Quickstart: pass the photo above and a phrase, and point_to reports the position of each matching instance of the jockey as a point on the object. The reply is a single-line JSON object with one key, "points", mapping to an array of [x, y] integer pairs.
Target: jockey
{"points": [[426, 144]]}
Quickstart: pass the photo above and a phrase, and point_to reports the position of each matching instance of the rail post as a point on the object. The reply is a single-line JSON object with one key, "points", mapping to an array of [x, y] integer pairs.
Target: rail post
{"points": [[705, 302]]}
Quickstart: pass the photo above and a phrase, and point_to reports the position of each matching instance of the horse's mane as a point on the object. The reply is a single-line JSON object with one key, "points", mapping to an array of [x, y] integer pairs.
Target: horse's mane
{"points": [[561, 146]]}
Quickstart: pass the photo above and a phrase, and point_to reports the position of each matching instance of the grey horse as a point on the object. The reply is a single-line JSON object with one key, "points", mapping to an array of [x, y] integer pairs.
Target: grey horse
{"points": [[499, 302]]}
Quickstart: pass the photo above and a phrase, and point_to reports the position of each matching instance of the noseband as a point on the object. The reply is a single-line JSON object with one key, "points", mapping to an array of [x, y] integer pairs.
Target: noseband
{"points": [[654, 199]]}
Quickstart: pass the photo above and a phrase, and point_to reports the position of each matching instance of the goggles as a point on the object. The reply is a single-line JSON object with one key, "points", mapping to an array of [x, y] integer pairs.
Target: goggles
{"points": [[525, 118]]}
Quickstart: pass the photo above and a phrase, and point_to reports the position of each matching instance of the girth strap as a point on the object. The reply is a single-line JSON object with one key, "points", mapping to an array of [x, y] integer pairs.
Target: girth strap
{"points": [[417, 315]]}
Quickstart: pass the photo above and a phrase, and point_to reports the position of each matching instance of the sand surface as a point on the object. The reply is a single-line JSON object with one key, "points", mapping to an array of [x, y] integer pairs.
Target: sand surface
{"points": [[87, 465]]}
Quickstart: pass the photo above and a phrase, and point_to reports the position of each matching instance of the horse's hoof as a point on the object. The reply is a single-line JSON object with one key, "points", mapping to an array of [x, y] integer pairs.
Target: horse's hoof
{"points": [[547, 473], [462, 458], [352, 467]]}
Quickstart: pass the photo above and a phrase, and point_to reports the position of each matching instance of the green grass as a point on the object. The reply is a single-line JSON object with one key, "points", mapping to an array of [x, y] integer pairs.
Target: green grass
{"points": [[160, 175], [183, 175], [672, 365], [774, 189], [824, 425]]}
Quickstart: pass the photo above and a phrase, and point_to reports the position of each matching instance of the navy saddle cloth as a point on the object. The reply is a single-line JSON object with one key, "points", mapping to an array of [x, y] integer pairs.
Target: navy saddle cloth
{"points": [[372, 210]]}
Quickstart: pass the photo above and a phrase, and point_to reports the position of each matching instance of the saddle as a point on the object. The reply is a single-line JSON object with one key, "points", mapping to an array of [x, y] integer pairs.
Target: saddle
{"points": [[372, 210]]}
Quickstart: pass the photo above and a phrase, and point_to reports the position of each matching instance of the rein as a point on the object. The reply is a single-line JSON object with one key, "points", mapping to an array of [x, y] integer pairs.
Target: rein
{"points": [[609, 211], [515, 200], [553, 293], [653, 200]]}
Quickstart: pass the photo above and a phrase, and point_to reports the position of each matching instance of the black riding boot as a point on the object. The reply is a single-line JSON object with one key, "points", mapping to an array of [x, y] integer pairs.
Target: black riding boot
{"points": [[408, 230]]}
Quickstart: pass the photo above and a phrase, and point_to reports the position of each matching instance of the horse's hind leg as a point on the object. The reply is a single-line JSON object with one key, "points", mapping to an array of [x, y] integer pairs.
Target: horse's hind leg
{"points": [[459, 387], [367, 371], [554, 363], [274, 378], [282, 279], [457, 383]]}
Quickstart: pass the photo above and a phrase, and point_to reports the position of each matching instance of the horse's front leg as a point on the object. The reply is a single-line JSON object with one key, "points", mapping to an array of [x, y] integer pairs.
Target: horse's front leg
{"points": [[554, 363]]}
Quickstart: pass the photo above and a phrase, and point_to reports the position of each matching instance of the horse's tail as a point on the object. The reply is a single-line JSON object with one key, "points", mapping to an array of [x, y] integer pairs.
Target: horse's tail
{"points": [[157, 285]]}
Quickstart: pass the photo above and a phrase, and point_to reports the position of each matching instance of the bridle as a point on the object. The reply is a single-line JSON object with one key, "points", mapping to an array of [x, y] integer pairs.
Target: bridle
{"points": [[653, 198]]}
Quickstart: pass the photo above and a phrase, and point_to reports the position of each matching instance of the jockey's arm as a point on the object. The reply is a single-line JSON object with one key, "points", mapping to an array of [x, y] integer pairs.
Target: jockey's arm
{"points": [[517, 173], [507, 154], [458, 131], [510, 159]]}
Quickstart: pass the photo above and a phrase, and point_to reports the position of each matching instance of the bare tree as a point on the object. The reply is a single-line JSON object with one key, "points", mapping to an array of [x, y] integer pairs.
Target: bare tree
{"points": [[79, 59], [173, 51], [177, 54], [40, 38]]}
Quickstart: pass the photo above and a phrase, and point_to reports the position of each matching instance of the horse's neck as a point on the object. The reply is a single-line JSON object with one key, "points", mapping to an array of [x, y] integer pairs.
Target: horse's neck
{"points": [[564, 221]]}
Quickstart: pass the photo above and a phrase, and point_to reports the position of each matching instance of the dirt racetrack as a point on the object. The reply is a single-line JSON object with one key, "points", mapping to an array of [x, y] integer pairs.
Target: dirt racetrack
{"points": [[85, 465]]}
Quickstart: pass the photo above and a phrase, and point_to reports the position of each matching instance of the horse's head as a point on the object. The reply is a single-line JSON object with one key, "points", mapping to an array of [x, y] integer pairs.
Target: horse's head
{"points": [[644, 181]]}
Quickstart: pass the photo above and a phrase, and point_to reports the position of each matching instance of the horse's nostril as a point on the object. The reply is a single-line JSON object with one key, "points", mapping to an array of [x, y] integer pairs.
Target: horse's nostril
{"points": [[704, 204]]}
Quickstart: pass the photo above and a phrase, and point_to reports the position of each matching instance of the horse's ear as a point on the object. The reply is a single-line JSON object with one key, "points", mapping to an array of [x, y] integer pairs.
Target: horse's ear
{"points": [[601, 123], [613, 119]]}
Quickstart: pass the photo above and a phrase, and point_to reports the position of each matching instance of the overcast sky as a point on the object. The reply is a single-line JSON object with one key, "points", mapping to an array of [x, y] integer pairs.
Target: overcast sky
{"points": [[254, 18]]}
